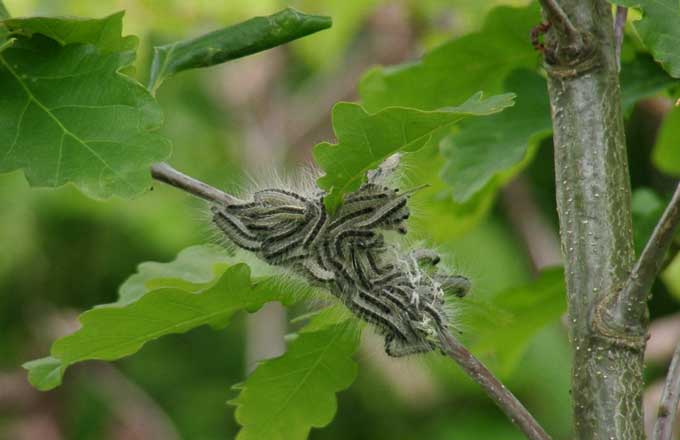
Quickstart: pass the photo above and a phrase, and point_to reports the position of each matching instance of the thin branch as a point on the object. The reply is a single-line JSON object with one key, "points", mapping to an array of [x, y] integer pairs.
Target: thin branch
{"points": [[560, 20], [505, 400], [632, 301], [167, 174], [669, 400], [619, 24]]}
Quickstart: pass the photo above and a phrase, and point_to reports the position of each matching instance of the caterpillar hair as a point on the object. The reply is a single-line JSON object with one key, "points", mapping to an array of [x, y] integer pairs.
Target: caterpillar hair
{"points": [[401, 293]]}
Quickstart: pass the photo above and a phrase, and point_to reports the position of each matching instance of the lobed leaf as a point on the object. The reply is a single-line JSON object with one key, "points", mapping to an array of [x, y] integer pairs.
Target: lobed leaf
{"points": [[68, 113], [365, 139], [287, 396], [193, 269], [488, 148], [659, 30], [246, 38], [118, 330]]}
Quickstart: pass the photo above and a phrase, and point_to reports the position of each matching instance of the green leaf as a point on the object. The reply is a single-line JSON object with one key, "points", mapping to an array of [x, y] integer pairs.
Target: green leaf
{"points": [[365, 139], [488, 148], [193, 269], [642, 77], [115, 331], [488, 152], [285, 397], [502, 326], [249, 37], [457, 69], [105, 33], [666, 153], [659, 30], [68, 114]]}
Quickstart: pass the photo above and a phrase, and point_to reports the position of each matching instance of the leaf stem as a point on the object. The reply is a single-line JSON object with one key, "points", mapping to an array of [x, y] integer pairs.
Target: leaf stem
{"points": [[669, 400], [506, 401], [167, 174], [631, 303]]}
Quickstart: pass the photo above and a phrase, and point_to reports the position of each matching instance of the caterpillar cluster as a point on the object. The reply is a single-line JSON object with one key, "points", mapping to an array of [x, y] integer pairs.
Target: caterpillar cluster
{"points": [[401, 294]]}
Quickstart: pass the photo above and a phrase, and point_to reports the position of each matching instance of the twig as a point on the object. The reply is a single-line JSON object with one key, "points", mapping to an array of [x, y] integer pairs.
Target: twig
{"points": [[167, 174], [505, 400], [632, 301], [619, 24], [669, 400], [558, 18]]}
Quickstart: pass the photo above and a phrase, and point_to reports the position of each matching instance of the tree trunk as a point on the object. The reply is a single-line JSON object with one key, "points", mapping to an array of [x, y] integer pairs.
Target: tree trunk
{"points": [[593, 201]]}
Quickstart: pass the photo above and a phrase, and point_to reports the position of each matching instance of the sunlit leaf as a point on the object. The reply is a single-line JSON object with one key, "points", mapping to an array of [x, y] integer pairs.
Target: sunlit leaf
{"points": [[68, 114], [285, 397], [249, 37], [115, 331], [105, 33], [365, 139]]}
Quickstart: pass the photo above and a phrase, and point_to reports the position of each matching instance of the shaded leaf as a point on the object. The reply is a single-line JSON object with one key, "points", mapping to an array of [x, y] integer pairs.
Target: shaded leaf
{"points": [[490, 151], [659, 30], [457, 69], [68, 114], [246, 38], [365, 140], [503, 325], [491, 147], [287, 396], [666, 153], [115, 331]]}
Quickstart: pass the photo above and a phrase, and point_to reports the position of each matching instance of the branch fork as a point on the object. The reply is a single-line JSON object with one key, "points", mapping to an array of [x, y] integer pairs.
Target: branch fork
{"points": [[570, 52]]}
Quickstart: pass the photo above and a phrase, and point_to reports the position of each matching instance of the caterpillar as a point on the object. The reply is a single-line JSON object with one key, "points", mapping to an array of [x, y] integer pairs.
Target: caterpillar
{"points": [[400, 293]]}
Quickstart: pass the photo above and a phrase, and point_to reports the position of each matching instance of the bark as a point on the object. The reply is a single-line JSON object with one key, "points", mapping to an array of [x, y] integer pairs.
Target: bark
{"points": [[593, 201]]}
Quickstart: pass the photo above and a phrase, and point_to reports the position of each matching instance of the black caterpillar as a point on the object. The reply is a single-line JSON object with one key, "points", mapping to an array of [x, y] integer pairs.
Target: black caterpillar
{"points": [[400, 294]]}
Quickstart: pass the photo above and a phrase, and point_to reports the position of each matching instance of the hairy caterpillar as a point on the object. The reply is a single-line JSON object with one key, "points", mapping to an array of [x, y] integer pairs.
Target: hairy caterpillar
{"points": [[400, 293]]}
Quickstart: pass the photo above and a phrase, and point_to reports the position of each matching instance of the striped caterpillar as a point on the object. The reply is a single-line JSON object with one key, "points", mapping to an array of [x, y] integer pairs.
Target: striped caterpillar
{"points": [[401, 294]]}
